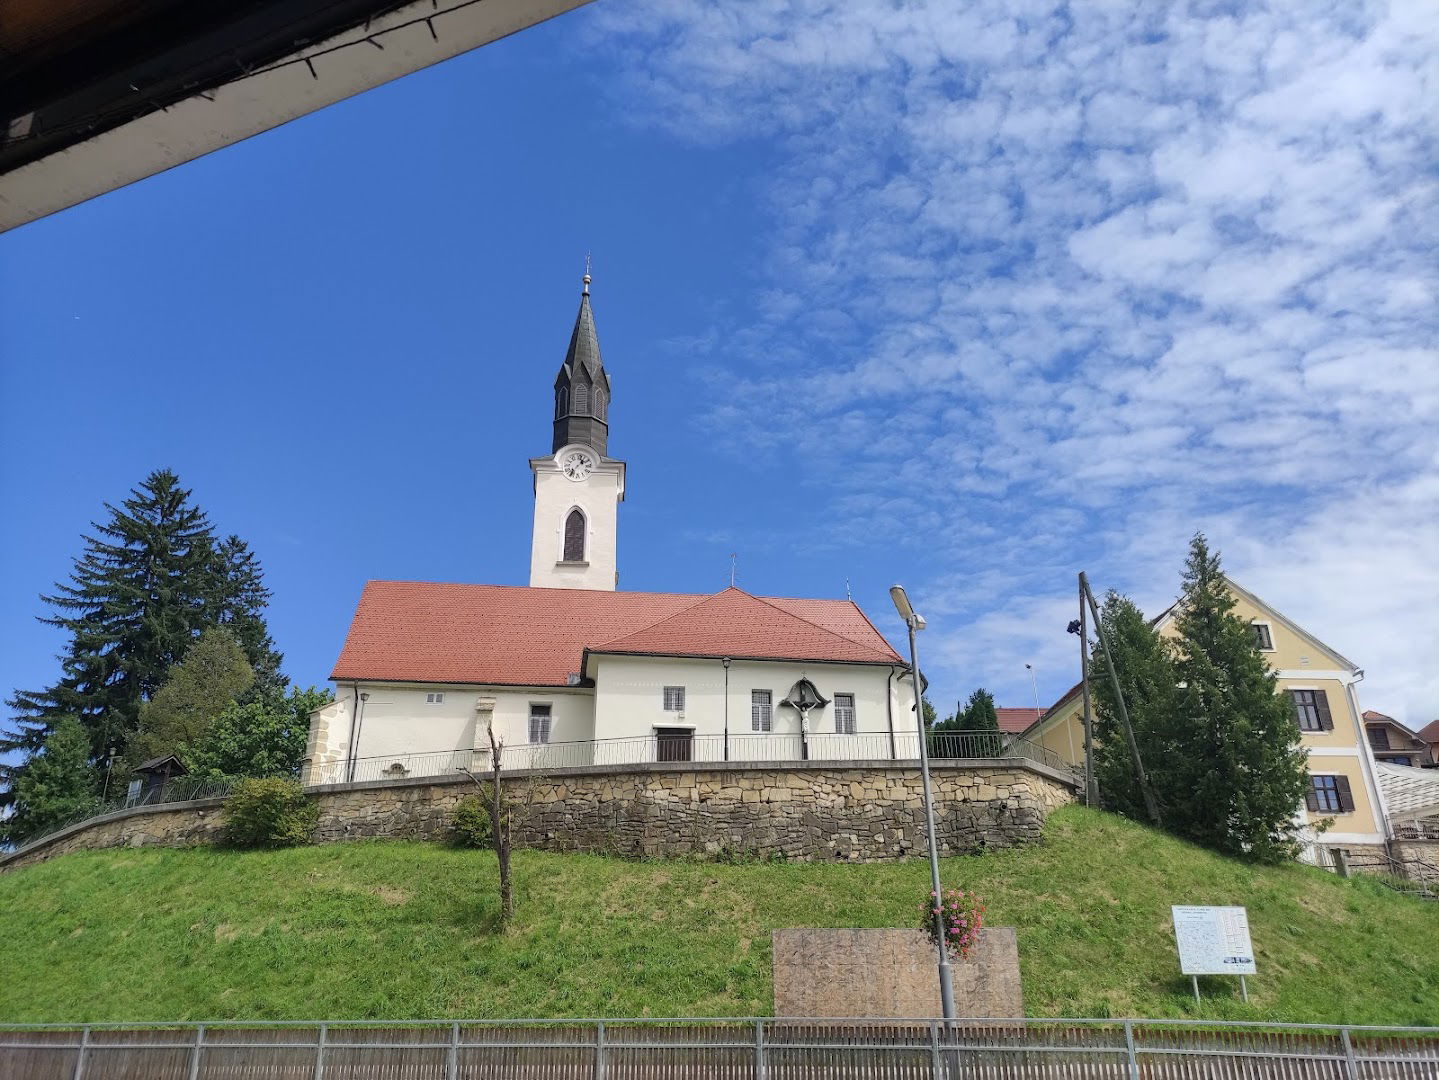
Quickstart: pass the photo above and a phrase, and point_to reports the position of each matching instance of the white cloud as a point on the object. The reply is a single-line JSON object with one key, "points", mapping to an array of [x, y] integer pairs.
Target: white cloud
{"points": [[1070, 282]]}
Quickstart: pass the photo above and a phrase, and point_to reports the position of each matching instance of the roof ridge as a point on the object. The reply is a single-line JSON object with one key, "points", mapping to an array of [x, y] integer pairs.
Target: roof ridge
{"points": [[830, 634], [661, 622], [810, 622]]}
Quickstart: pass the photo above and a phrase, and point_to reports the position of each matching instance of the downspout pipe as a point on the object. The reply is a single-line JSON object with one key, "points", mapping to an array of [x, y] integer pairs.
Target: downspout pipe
{"points": [[889, 711], [354, 719], [1381, 811]]}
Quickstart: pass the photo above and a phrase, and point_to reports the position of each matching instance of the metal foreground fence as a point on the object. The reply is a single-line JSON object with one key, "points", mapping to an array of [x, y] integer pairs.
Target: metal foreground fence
{"points": [[756, 1049]]}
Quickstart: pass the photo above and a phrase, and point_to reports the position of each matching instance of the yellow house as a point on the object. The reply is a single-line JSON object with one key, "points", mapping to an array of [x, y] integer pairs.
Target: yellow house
{"points": [[1343, 784]]}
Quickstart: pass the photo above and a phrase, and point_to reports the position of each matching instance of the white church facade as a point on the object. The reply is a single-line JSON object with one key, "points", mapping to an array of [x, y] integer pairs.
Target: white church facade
{"points": [[569, 671]]}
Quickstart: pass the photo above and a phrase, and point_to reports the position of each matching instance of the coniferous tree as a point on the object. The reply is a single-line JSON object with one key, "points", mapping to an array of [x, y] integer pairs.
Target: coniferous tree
{"points": [[240, 608], [199, 688], [150, 579], [1239, 764], [1146, 673], [134, 602], [58, 784], [979, 712]]}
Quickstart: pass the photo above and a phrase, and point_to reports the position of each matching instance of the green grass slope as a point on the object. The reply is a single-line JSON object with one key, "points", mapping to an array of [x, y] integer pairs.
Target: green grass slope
{"points": [[397, 930]]}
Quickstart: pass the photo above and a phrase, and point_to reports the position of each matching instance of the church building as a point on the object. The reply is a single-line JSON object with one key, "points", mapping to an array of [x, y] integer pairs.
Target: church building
{"points": [[570, 671]]}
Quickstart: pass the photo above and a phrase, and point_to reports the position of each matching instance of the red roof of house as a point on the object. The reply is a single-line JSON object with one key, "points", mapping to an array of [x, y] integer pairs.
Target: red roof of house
{"points": [[411, 631], [1370, 714], [1429, 733], [1013, 721]]}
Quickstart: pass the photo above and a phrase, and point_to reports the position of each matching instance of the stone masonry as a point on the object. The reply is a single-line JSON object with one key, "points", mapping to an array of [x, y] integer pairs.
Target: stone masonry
{"points": [[859, 811]]}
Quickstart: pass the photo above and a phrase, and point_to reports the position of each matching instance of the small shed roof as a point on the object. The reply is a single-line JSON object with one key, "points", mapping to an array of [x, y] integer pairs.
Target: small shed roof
{"points": [[156, 764]]}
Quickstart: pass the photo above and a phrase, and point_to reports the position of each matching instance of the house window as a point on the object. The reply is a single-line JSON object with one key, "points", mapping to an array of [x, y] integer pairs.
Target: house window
{"points": [[1263, 640], [674, 699], [844, 714], [1311, 709], [761, 710], [539, 723], [1329, 795], [575, 536], [434, 699], [582, 399], [1378, 738]]}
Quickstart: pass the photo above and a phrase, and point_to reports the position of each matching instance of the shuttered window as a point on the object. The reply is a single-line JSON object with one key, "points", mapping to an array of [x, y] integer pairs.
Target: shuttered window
{"points": [[600, 402], [761, 710], [539, 723], [844, 714], [1311, 709], [582, 399], [1379, 738], [562, 402], [674, 699], [1329, 795], [575, 536]]}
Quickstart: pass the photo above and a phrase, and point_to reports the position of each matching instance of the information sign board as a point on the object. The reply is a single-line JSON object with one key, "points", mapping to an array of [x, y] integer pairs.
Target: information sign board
{"points": [[1213, 940]]}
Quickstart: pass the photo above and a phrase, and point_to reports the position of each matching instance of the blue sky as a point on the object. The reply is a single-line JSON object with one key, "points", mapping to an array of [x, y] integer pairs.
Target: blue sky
{"points": [[970, 299]]}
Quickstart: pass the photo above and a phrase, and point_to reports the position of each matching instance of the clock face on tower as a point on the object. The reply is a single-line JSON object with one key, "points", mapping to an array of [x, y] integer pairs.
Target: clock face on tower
{"points": [[577, 464]]}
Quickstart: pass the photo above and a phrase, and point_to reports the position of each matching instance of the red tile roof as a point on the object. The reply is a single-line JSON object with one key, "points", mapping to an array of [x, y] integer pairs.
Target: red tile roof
{"points": [[409, 631], [1429, 733], [1013, 721], [1370, 714]]}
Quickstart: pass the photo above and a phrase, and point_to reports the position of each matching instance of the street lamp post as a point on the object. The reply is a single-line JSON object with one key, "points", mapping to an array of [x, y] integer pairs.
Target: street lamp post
{"points": [[914, 622]]}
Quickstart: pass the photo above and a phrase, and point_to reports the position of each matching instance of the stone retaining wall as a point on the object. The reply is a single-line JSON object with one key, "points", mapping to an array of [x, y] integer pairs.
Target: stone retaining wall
{"points": [[832, 810]]}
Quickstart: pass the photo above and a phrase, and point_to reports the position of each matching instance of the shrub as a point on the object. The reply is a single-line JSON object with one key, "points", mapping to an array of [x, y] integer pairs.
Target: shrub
{"points": [[269, 813], [471, 822], [961, 914]]}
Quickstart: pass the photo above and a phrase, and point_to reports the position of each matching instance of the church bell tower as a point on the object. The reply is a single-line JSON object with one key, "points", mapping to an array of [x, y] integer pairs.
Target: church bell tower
{"points": [[577, 488]]}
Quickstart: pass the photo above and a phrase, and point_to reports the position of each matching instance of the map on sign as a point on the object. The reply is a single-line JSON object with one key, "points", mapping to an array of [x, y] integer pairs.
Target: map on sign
{"points": [[1213, 940]]}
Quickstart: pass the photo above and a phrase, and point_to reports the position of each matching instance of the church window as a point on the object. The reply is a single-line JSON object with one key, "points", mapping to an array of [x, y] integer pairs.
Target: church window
{"points": [[575, 536], [761, 710], [674, 699], [562, 401], [582, 399], [540, 723], [434, 699], [844, 714], [600, 402]]}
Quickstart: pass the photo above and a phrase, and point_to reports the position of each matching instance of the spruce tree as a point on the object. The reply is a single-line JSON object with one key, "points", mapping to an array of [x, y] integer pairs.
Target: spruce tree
{"points": [[151, 577], [979, 712], [58, 784], [1238, 763], [240, 607], [1145, 668], [135, 601]]}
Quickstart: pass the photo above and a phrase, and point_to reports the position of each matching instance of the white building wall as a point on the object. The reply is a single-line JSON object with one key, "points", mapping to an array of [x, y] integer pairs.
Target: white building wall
{"points": [[629, 704], [397, 725], [598, 496]]}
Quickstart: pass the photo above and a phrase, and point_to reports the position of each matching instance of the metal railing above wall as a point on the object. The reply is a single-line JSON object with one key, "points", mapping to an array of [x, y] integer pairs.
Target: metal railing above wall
{"points": [[738, 1049], [176, 790], [680, 749]]}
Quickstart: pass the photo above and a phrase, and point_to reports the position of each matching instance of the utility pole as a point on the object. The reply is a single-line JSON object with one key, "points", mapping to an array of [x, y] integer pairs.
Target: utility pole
{"points": [[1091, 786], [1150, 805]]}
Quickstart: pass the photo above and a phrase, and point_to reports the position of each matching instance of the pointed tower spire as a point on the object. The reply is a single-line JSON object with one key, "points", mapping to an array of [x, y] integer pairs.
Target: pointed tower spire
{"points": [[582, 388]]}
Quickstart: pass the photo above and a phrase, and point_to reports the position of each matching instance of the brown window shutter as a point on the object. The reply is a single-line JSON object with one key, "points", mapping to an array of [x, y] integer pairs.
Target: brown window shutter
{"points": [[1321, 702], [1311, 800], [1346, 797]]}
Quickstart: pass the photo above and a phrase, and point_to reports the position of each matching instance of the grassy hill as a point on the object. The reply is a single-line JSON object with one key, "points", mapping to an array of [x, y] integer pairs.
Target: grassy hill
{"points": [[398, 930]]}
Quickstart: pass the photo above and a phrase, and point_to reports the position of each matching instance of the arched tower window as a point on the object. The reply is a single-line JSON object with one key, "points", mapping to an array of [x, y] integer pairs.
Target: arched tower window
{"points": [[562, 401], [575, 536], [582, 399], [600, 402]]}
